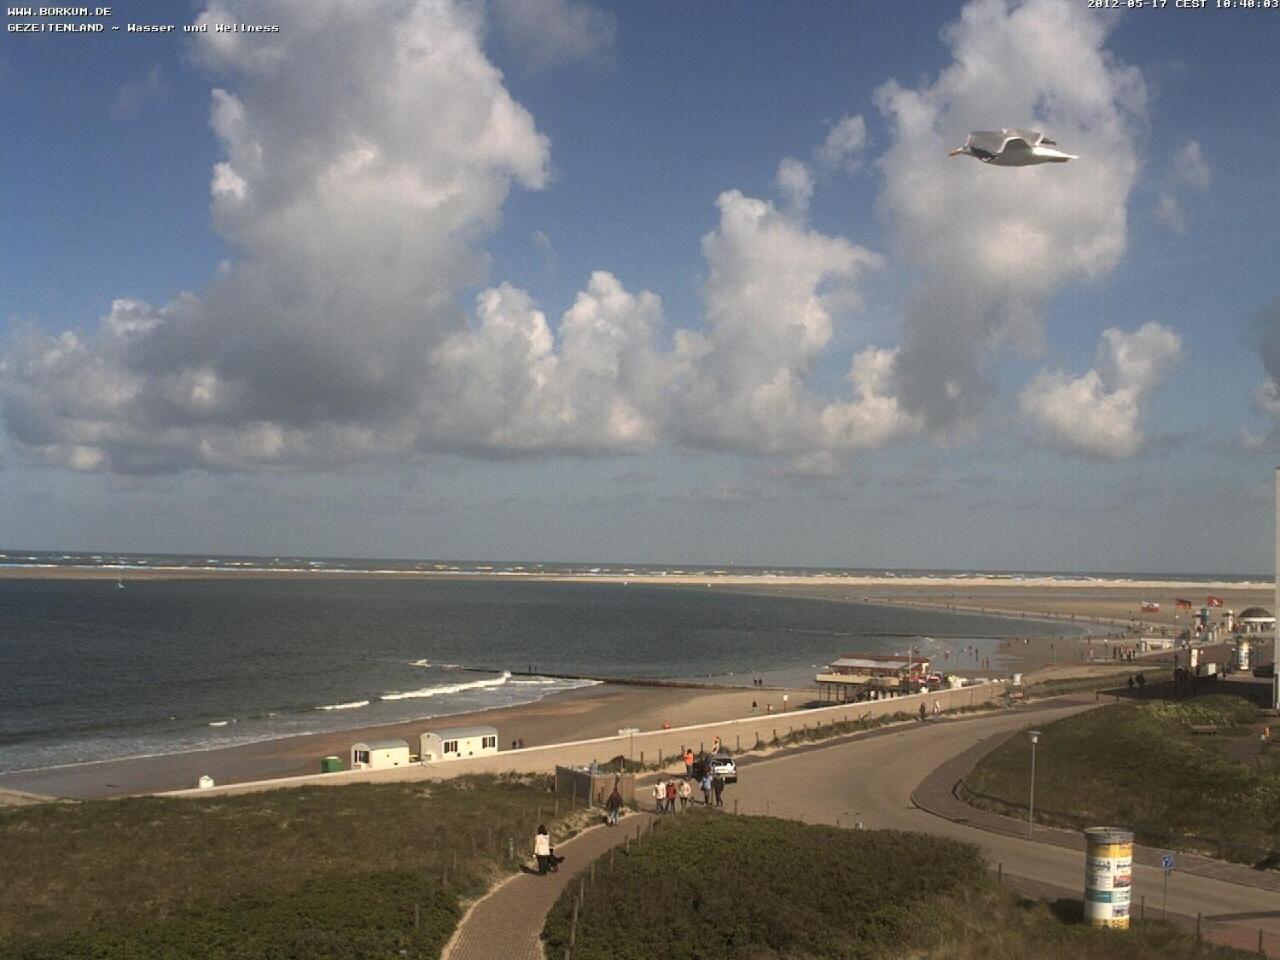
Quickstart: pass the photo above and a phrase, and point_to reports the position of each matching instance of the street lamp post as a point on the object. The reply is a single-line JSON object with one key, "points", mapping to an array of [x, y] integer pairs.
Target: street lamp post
{"points": [[1031, 801]]}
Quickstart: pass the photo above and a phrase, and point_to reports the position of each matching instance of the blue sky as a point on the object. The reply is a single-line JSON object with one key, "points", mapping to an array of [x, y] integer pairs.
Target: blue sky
{"points": [[645, 282]]}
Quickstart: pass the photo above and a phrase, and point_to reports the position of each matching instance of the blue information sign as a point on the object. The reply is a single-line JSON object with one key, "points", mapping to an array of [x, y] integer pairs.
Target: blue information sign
{"points": [[1167, 862]]}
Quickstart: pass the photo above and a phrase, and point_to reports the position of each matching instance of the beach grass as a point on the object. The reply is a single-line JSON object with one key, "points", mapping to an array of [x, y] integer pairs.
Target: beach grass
{"points": [[1141, 765], [322, 871], [749, 888], [753, 887]]}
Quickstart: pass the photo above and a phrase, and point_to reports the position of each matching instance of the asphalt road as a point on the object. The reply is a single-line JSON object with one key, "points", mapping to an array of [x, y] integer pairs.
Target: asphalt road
{"points": [[872, 780]]}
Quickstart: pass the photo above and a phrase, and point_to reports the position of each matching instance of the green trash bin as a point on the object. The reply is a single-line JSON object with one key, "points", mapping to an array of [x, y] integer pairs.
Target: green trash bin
{"points": [[331, 765]]}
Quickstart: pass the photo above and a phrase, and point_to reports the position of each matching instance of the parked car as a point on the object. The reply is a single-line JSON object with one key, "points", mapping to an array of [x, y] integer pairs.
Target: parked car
{"points": [[722, 765], [717, 764]]}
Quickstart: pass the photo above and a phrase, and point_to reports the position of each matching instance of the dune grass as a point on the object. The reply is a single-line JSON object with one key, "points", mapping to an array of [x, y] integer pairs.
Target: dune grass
{"points": [[321, 871], [718, 887], [1139, 765]]}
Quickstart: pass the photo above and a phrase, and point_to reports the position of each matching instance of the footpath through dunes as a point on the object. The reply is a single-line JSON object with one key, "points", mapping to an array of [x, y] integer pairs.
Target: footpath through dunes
{"points": [[507, 922]]}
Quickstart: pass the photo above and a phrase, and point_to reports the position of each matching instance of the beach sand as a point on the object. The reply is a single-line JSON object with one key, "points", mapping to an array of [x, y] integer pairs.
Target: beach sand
{"points": [[581, 714]]}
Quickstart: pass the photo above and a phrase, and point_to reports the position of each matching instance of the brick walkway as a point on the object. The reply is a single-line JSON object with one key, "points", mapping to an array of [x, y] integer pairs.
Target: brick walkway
{"points": [[506, 923]]}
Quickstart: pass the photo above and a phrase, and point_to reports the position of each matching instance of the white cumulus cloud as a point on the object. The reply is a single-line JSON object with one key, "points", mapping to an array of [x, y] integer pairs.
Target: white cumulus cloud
{"points": [[1097, 414], [771, 294], [1266, 331], [353, 217], [548, 32], [989, 245], [844, 144], [1188, 171]]}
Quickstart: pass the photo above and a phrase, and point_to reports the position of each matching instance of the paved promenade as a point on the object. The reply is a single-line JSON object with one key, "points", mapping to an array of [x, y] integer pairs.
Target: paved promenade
{"points": [[505, 924]]}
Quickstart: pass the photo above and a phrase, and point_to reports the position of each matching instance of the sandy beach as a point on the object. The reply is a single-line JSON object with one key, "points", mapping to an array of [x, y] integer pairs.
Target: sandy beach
{"points": [[580, 714], [1103, 610]]}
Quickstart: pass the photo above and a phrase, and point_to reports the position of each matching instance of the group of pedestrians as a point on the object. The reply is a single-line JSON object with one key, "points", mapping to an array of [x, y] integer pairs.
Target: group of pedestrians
{"points": [[668, 790]]}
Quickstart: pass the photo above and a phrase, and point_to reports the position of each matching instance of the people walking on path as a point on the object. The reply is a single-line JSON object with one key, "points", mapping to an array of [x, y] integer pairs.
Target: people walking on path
{"points": [[922, 712], [660, 797], [686, 793], [688, 761], [671, 796], [614, 806], [706, 789], [542, 850], [718, 785], [937, 709]]}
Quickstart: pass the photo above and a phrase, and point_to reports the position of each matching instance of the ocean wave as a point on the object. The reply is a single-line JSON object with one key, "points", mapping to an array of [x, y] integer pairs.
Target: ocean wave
{"points": [[351, 705], [219, 723], [449, 688], [436, 666]]}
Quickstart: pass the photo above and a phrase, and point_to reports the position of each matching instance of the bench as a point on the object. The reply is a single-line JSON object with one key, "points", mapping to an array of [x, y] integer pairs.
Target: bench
{"points": [[1203, 729]]}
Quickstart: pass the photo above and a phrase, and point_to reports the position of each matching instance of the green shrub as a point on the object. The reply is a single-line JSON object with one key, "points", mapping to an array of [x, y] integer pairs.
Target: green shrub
{"points": [[716, 887], [1138, 765], [142, 872], [712, 886], [344, 918]]}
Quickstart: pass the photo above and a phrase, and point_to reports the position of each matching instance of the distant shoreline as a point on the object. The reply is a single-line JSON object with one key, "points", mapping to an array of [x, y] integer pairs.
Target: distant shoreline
{"points": [[949, 582]]}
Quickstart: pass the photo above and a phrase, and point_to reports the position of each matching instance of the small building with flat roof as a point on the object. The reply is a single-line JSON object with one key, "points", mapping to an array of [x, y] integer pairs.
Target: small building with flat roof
{"points": [[455, 743], [862, 676], [379, 755]]}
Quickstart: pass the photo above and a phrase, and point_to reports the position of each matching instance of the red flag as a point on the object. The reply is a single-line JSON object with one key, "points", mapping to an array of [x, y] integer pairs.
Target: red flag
{"points": [[1183, 603], [1215, 601], [1149, 606]]}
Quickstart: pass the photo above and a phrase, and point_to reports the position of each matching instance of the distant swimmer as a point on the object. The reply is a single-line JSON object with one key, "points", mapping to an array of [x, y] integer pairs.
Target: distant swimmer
{"points": [[1011, 147]]}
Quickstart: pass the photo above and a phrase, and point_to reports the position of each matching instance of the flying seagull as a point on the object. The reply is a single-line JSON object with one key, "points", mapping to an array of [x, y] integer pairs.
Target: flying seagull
{"points": [[1012, 148]]}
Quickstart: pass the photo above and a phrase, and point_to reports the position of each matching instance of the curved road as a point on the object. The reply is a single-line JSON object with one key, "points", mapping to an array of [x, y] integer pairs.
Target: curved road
{"points": [[872, 779]]}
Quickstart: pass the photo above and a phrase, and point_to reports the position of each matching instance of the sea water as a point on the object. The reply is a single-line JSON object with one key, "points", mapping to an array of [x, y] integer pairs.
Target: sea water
{"points": [[90, 670]]}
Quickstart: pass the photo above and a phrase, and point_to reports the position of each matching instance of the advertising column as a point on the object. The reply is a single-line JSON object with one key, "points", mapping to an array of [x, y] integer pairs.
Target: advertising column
{"points": [[1108, 876]]}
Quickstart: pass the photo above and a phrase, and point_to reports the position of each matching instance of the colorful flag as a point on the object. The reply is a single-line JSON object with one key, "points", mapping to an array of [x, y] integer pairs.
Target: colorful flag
{"points": [[1183, 603], [1215, 601], [1149, 606]]}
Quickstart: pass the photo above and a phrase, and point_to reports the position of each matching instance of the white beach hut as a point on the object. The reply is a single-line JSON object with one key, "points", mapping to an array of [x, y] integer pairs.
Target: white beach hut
{"points": [[458, 742], [379, 755]]}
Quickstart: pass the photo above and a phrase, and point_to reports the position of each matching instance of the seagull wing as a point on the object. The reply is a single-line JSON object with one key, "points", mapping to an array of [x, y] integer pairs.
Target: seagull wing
{"points": [[1032, 137], [988, 142], [1014, 146]]}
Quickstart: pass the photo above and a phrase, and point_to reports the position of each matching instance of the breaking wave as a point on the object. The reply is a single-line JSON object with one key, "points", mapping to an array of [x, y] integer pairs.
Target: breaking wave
{"points": [[449, 688]]}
